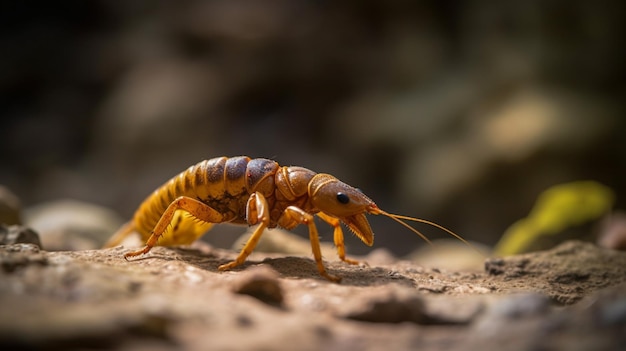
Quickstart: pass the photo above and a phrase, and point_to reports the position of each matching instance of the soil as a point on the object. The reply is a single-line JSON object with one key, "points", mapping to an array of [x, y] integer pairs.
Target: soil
{"points": [[571, 297]]}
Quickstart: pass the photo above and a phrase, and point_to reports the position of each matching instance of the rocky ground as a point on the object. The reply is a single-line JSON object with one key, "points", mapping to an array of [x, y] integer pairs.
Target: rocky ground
{"points": [[461, 113], [572, 297]]}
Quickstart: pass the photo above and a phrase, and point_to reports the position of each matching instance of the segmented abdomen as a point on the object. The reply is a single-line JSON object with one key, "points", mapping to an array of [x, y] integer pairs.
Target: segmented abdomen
{"points": [[223, 183]]}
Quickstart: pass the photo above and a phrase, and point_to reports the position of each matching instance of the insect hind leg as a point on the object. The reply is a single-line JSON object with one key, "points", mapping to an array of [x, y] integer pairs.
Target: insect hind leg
{"points": [[257, 210], [194, 207]]}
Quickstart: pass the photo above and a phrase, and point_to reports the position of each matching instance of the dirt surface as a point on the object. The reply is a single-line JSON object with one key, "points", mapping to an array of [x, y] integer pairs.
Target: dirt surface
{"points": [[572, 297]]}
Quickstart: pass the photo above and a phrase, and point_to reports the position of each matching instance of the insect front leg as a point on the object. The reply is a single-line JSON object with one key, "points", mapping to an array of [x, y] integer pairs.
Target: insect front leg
{"points": [[196, 208], [257, 210], [338, 237], [293, 216]]}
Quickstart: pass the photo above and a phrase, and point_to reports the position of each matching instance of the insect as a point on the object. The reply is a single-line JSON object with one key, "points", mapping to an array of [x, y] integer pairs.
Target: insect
{"points": [[259, 191]]}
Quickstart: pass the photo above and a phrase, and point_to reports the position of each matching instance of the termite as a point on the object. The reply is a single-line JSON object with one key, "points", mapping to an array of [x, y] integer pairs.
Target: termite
{"points": [[259, 191]]}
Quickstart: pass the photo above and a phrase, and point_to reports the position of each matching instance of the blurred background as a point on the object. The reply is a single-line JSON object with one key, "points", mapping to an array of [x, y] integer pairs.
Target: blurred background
{"points": [[460, 112]]}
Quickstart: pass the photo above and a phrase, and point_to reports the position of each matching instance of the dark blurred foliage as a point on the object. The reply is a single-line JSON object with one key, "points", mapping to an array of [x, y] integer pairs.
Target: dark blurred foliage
{"points": [[458, 112]]}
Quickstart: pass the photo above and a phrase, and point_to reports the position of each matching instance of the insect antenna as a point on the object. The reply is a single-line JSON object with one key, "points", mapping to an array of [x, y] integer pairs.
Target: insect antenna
{"points": [[399, 218], [408, 226]]}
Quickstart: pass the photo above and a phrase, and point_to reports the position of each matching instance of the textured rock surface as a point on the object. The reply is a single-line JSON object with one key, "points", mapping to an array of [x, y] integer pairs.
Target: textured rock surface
{"points": [[571, 297]]}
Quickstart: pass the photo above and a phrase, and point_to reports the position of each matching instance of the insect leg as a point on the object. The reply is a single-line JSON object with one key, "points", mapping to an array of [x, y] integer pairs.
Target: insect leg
{"points": [[257, 210], [294, 214], [195, 208], [338, 236]]}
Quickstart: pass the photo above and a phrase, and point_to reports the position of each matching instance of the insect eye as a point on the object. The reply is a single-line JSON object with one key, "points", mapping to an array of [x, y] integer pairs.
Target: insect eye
{"points": [[343, 198]]}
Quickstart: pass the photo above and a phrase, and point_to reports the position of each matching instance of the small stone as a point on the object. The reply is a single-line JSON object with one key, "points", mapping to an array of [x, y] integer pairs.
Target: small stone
{"points": [[494, 266], [72, 225], [442, 310], [387, 307], [521, 305], [17, 234], [499, 317], [261, 282]]}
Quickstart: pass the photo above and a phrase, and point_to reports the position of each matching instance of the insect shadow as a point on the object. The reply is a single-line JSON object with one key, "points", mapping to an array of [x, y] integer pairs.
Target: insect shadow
{"points": [[294, 267]]}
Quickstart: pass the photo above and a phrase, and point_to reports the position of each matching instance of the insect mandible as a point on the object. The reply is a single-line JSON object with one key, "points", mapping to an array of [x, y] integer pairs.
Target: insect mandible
{"points": [[259, 191]]}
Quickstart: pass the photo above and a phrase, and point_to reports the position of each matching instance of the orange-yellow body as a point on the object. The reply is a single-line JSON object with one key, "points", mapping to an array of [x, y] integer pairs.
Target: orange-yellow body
{"points": [[252, 191]]}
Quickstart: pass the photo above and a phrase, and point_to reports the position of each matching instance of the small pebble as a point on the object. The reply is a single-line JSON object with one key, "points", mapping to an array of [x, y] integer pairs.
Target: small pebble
{"points": [[521, 305], [260, 282], [387, 307], [17, 234]]}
